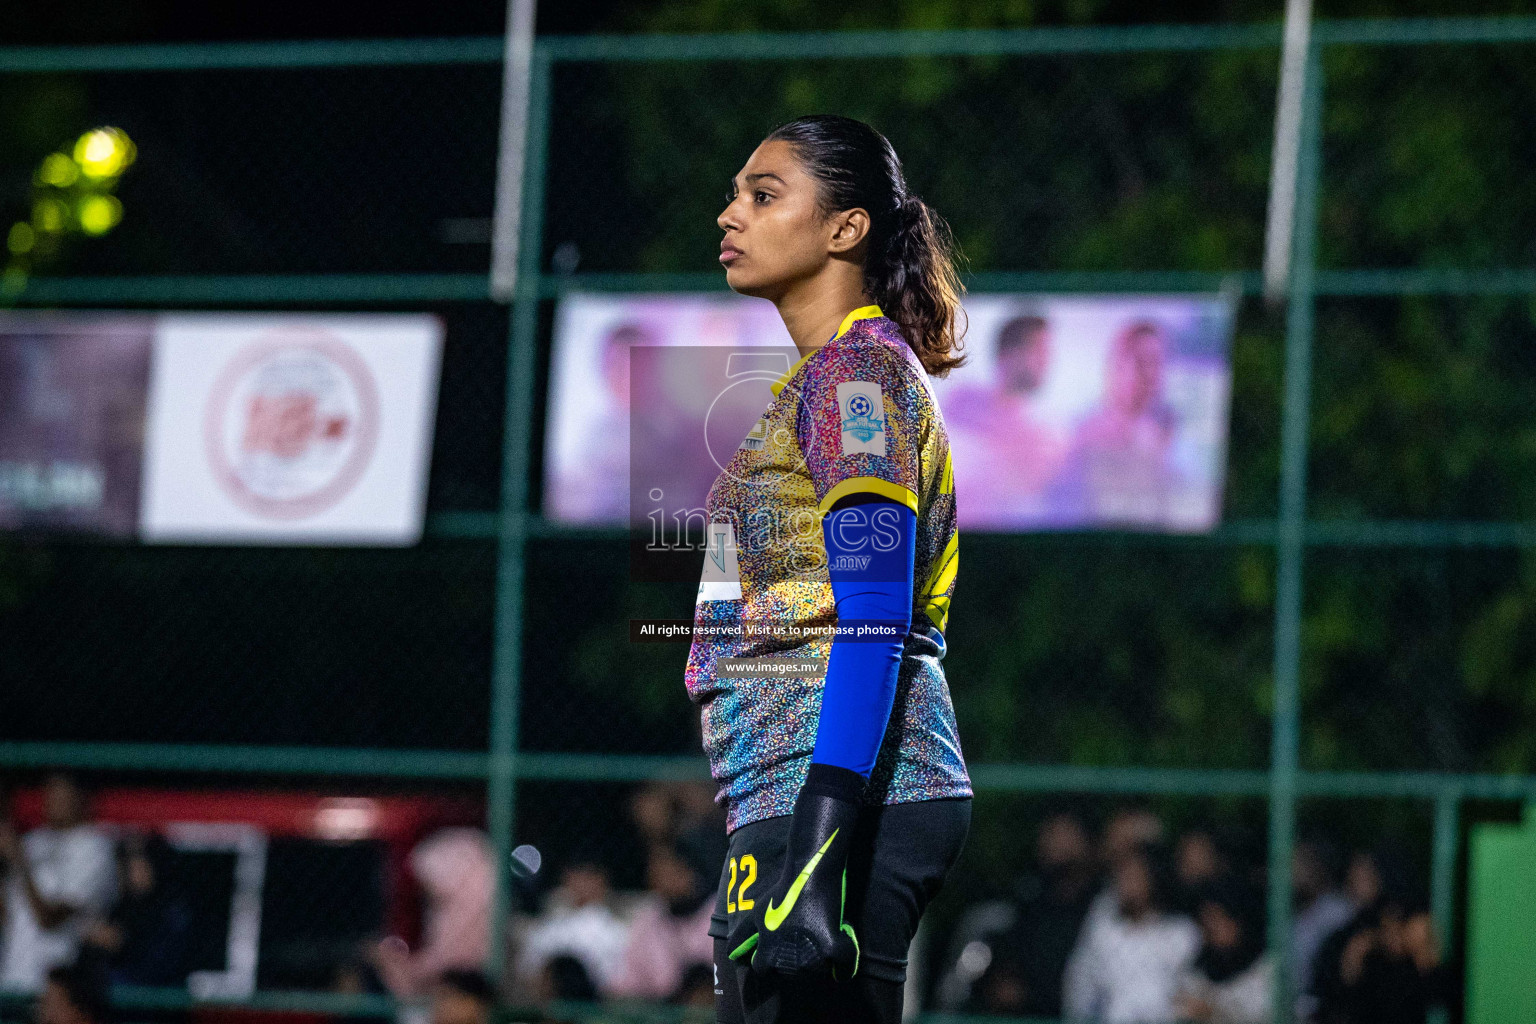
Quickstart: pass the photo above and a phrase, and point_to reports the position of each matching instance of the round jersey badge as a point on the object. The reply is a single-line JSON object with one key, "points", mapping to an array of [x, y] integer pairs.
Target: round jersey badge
{"points": [[291, 424]]}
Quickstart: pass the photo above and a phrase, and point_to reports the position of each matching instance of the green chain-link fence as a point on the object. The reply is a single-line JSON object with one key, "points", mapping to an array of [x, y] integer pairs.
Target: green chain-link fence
{"points": [[1347, 650]]}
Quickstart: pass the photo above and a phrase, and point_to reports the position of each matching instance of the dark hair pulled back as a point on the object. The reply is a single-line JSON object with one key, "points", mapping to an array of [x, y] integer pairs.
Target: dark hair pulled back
{"points": [[910, 266]]}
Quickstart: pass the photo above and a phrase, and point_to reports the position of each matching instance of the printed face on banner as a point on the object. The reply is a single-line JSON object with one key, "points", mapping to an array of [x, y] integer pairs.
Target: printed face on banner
{"points": [[1091, 412]]}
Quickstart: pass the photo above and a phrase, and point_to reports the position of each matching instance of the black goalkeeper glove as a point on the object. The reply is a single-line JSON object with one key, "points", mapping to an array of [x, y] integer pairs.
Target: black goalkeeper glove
{"points": [[800, 929]]}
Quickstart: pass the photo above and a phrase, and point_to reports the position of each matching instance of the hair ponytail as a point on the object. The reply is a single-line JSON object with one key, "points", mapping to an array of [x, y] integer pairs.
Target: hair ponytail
{"points": [[915, 284], [910, 267]]}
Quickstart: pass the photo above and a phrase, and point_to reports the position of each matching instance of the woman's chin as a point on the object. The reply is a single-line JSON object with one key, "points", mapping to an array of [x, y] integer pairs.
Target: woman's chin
{"points": [[743, 283], [739, 282]]}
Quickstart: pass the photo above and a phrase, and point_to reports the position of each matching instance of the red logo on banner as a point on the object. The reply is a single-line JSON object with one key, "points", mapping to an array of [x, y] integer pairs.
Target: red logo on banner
{"points": [[291, 424]]}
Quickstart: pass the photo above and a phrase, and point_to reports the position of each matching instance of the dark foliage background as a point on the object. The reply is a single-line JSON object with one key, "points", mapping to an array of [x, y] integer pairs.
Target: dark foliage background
{"points": [[1064, 649]]}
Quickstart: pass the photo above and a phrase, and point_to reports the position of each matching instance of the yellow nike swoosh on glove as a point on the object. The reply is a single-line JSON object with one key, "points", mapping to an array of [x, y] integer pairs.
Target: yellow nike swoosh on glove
{"points": [[774, 916]]}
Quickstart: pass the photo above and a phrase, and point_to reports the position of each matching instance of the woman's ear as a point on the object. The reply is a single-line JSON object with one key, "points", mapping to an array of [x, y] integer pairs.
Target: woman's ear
{"points": [[849, 228]]}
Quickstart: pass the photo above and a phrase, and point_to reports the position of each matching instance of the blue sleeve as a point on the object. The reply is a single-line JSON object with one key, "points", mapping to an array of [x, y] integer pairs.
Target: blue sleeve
{"points": [[870, 552]]}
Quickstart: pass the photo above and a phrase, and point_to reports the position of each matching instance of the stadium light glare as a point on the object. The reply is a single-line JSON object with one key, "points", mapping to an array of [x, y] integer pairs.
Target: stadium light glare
{"points": [[99, 214], [48, 216], [58, 170], [21, 238], [104, 153], [71, 192], [12, 281]]}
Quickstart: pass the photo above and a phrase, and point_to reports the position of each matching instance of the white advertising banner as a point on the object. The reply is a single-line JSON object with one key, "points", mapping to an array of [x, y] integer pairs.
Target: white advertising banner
{"points": [[289, 429]]}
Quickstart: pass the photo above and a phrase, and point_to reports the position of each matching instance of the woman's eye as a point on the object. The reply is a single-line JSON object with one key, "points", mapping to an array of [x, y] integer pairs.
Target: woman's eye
{"points": [[761, 196]]}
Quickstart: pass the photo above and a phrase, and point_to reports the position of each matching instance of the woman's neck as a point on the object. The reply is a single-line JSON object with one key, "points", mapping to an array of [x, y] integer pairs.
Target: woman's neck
{"points": [[813, 312]]}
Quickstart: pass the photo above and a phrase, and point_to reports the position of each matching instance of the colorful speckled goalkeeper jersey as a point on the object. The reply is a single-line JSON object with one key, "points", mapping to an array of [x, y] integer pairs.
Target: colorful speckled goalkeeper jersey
{"points": [[854, 417]]}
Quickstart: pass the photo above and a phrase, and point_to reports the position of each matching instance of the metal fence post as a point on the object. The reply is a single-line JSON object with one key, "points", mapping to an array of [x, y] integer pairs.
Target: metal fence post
{"points": [[512, 534], [1290, 552], [1442, 873]]}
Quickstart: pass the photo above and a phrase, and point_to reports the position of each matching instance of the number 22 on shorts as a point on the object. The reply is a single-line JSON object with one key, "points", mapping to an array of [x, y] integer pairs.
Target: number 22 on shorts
{"points": [[748, 872]]}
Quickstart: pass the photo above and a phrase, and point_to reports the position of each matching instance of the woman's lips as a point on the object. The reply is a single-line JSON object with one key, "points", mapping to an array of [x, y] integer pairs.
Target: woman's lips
{"points": [[726, 255]]}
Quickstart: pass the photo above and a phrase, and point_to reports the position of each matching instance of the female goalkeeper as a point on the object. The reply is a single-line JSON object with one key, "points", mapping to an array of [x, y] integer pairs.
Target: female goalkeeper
{"points": [[836, 752]]}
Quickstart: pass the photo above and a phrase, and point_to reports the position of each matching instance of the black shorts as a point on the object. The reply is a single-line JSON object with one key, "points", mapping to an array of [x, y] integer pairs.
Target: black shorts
{"points": [[900, 856]]}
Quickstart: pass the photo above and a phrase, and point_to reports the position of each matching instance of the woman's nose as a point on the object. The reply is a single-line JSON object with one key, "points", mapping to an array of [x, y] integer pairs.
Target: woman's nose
{"points": [[727, 218]]}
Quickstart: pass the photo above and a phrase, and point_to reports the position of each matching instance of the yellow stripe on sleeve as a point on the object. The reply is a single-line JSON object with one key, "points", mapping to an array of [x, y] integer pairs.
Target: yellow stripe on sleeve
{"points": [[937, 611], [945, 568], [935, 596], [869, 485]]}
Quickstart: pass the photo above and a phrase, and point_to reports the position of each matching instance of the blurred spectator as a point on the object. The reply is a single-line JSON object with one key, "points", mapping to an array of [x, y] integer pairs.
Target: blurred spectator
{"points": [[654, 812], [578, 921], [72, 995], [565, 979], [1127, 966], [1198, 861], [58, 877], [1127, 829], [670, 933], [1374, 873], [1023, 975], [1384, 967], [454, 867], [975, 949], [1320, 910], [462, 997], [697, 989], [144, 938], [663, 811], [1232, 979]]}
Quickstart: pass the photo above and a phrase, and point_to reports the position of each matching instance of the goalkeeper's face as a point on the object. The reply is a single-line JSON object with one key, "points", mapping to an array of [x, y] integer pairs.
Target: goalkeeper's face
{"points": [[776, 232]]}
